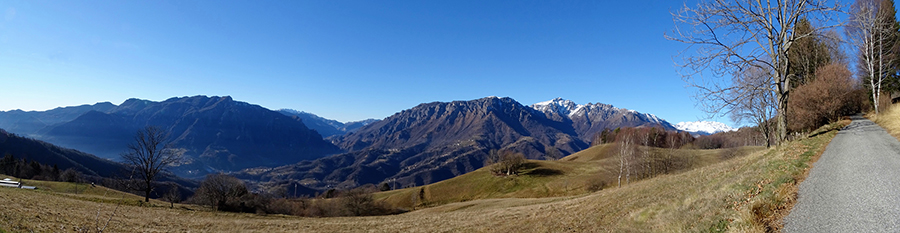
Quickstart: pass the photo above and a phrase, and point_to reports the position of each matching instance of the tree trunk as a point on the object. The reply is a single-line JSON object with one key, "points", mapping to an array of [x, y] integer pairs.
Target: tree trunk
{"points": [[621, 168], [147, 191], [782, 123]]}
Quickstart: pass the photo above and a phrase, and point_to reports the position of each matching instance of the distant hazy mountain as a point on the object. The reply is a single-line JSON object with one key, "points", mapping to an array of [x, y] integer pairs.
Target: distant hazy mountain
{"points": [[703, 127], [46, 153], [436, 141], [326, 127], [91, 166], [352, 126], [217, 133], [590, 119], [30, 122]]}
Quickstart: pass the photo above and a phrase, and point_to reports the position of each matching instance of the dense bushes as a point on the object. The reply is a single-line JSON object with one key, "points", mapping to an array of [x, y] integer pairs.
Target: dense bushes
{"points": [[223, 192], [832, 94]]}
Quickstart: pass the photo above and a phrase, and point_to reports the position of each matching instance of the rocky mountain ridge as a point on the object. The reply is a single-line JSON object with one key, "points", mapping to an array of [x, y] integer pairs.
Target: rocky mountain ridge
{"points": [[440, 140]]}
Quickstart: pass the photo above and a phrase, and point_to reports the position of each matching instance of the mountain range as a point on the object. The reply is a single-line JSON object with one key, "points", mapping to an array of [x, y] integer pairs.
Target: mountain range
{"points": [[217, 133], [440, 140], [425, 144], [698, 128], [590, 119], [28, 123]]}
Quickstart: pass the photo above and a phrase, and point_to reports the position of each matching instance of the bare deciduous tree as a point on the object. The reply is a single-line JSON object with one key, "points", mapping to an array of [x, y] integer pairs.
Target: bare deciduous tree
{"points": [[172, 195], [505, 162], [728, 37], [872, 33], [753, 101], [150, 154], [625, 140]]}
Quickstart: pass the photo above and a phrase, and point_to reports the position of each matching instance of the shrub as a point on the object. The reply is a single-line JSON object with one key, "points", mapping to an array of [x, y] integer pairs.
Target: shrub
{"points": [[220, 191], [831, 95], [595, 184]]}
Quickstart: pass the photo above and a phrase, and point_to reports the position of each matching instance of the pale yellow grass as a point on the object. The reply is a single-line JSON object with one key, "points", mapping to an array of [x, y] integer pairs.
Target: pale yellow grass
{"points": [[889, 120]]}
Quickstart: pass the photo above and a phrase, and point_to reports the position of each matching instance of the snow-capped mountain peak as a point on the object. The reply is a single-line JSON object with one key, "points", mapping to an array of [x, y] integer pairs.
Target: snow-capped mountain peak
{"points": [[569, 109], [560, 106], [704, 127]]}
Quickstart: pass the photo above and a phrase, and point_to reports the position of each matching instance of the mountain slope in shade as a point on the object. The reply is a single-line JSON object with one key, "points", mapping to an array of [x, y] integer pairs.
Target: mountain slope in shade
{"points": [[704, 127], [217, 133], [429, 143], [30, 122], [91, 166]]}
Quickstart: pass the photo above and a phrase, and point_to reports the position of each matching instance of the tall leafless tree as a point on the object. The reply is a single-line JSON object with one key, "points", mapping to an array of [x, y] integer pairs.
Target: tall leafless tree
{"points": [[149, 154], [870, 34], [727, 37]]}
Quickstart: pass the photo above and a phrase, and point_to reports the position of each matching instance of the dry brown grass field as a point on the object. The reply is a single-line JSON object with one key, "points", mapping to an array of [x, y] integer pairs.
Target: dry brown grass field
{"points": [[888, 119], [740, 194]]}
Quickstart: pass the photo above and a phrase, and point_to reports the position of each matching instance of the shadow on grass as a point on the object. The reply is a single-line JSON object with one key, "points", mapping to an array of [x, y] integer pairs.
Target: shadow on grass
{"points": [[544, 172], [533, 169]]}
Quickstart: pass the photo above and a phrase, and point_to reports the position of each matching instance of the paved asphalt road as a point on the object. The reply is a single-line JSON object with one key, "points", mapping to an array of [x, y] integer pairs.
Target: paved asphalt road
{"points": [[855, 185]]}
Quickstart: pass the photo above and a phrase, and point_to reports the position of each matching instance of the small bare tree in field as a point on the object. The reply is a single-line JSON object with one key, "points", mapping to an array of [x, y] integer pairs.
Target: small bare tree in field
{"points": [[728, 37], [626, 141], [150, 154], [172, 195]]}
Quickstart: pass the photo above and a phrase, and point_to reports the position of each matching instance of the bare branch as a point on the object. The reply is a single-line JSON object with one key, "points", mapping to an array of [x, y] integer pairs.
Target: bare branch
{"points": [[150, 154], [726, 38]]}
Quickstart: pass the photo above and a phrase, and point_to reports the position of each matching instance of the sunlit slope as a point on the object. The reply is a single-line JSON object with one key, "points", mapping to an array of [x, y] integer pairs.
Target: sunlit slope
{"points": [[596, 166]]}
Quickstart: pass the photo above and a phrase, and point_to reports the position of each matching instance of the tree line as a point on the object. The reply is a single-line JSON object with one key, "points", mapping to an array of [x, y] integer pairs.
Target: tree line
{"points": [[22, 168]]}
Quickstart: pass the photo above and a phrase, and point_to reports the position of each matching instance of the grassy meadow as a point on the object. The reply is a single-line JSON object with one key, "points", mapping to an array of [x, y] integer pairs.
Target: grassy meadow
{"points": [[746, 193]]}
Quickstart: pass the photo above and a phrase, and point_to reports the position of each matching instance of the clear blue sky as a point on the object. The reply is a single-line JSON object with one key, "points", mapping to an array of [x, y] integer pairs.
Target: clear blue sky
{"points": [[344, 60]]}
